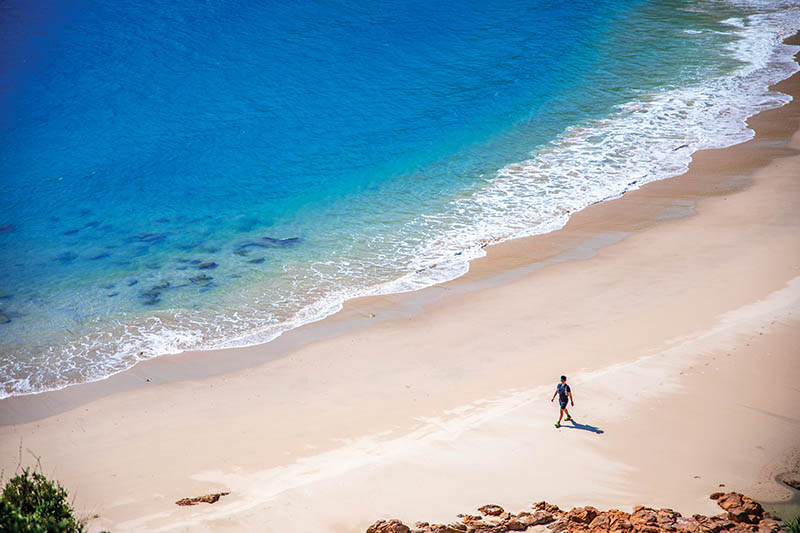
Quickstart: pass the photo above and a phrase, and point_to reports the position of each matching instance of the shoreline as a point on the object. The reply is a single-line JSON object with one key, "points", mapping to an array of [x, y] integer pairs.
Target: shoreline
{"points": [[287, 421], [586, 232], [25, 388]]}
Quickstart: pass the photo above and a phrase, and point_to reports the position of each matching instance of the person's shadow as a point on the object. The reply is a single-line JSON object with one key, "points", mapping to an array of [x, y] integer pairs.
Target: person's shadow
{"points": [[584, 427]]}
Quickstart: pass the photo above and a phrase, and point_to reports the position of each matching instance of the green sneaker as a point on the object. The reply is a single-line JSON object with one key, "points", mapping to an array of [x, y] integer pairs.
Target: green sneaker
{"points": [[568, 419], [558, 424]]}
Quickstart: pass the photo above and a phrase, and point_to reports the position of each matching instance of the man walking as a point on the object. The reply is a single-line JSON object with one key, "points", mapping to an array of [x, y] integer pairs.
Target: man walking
{"points": [[564, 393]]}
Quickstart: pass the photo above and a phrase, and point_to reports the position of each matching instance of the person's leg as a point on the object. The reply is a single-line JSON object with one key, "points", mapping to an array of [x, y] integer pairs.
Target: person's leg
{"points": [[560, 414], [569, 417]]}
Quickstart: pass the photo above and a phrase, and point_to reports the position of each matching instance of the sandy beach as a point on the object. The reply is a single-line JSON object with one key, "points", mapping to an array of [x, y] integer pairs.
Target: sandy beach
{"points": [[674, 311]]}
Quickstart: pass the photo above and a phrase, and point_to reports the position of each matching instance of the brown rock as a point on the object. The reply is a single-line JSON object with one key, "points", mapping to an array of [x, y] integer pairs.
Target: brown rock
{"points": [[544, 506], [582, 515], [205, 498], [441, 528], [538, 518], [769, 526], [717, 495], [613, 520], [793, 480], [388, 526], [515, 525], [491, 510], [730, 500]]}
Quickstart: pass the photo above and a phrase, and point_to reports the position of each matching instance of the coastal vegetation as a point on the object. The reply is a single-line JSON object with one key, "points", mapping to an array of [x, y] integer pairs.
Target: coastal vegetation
{"points": [[32, 503]]}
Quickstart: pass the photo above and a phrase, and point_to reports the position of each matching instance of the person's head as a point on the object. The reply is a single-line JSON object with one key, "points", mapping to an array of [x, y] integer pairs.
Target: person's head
{"points": [[563, 378]]}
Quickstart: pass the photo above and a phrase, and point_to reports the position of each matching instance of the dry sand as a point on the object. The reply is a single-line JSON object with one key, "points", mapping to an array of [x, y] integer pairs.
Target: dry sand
{"points": [[674, 311]]}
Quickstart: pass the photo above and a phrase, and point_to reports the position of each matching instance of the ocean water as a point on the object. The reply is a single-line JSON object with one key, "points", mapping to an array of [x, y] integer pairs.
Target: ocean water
{"points": [[187, 175]]}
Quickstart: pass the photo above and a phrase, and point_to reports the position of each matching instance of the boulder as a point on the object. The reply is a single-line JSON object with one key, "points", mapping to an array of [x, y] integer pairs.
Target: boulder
{"points": [[4, 319], [515, 524], [205, 498], [793, 480], [388, 526], [769, 526], [537, 518], [740, 508], [207, 266], [582, 515], [544, 506], [491, 510]]}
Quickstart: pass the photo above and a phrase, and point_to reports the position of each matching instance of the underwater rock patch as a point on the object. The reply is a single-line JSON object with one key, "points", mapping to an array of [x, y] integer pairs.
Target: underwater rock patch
{"points": [[66, 257], [150, 238]]}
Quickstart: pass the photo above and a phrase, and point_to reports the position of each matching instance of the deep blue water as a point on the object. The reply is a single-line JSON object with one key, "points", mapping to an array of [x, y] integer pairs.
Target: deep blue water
{"points": [[184, 174]]}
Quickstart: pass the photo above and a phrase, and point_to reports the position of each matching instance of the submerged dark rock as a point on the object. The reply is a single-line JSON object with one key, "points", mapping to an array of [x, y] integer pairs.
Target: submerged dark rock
{"points": [[150, 237], [281, 242], [112, 294], [71, 231], [4, 319], [133, 282], [240, 252], [161, 286], [257, 261], [207, 266], [100, 256], [109, 286], [202, 278], [270, 242], [7, 228], [66, 257]]}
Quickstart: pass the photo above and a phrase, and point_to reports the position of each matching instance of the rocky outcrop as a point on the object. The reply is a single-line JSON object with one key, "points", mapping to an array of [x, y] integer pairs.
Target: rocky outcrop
{"points": [[205, 498], [741, 515], [388, 526]]}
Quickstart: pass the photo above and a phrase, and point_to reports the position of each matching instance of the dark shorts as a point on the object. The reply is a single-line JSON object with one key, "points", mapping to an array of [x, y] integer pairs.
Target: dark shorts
{"points": [[562, 403]]}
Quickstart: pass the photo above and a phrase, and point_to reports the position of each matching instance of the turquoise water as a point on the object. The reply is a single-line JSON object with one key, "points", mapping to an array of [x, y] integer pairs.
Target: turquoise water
{"points": [[179, 175]]}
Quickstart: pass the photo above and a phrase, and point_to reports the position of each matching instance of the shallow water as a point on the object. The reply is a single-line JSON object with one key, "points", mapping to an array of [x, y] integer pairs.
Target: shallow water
{"points": [[179, 175]]}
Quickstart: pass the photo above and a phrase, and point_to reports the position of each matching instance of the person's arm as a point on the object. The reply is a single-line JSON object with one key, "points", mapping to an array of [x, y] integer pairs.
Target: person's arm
{"points": [[554, 395], [570, 398]]}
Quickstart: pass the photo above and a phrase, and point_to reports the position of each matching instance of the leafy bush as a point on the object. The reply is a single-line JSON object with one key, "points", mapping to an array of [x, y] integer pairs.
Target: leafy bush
{"points": [[31, 503], [793, 525]]}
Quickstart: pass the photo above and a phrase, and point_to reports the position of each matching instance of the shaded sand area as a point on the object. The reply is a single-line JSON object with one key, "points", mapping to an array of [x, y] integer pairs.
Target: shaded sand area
{"points": [[675, 312]]}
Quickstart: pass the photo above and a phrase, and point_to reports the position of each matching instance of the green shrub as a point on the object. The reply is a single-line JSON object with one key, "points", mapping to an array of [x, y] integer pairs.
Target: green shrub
{"points": [[793, 525], [31, 503]]}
